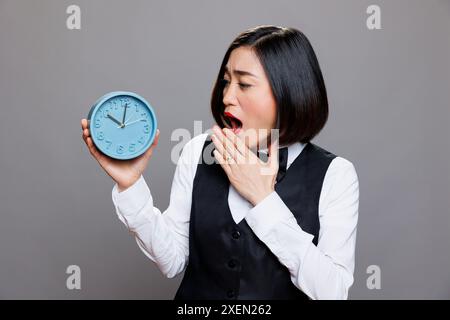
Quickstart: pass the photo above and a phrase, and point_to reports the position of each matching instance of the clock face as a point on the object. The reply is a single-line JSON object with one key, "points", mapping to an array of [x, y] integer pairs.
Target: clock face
{"points": [[122, 125]]}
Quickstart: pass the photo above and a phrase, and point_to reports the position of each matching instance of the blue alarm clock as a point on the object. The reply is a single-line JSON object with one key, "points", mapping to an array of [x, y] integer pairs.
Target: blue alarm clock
{"points": [[122, 125]]}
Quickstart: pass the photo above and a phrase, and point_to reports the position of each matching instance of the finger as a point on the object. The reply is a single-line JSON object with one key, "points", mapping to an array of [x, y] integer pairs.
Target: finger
{"points": [[218, 157], [223, 152], [86, 133], [155, 142], [84, 123], [149, 152], [227, 144], [93, 150], [222, 162], [220, 141], [240, 146], [229, 134], [100, 157], [90, 145]]}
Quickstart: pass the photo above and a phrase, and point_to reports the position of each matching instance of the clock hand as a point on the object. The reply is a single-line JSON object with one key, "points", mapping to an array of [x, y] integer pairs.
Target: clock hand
{"points": [[132, 116], [127, 124], [124, 113], [114, 119]]}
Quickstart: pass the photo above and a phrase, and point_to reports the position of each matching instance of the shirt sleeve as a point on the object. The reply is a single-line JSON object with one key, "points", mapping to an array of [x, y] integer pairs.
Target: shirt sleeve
{"points": [[324, 271], [163, 237]]}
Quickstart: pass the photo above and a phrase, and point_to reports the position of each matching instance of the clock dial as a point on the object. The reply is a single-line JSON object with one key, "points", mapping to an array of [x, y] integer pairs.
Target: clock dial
{"points": [[123, 125]]}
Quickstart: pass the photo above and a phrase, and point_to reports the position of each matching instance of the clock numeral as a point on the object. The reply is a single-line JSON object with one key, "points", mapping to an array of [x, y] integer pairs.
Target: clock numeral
{"points": [[100, 135], [105, 113], [137, 107], [120, 149], [141, 140], [97, 123], [146, 129], [144, 114], [132, 147], [109, 143]]}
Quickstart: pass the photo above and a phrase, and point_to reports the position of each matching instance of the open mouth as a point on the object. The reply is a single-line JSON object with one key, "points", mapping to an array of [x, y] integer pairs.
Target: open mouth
{"points": [[232, 122]]}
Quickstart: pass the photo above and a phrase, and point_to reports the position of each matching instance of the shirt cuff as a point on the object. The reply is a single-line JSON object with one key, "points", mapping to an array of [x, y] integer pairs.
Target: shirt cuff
{"points": [[267, 214], [133, 199]]}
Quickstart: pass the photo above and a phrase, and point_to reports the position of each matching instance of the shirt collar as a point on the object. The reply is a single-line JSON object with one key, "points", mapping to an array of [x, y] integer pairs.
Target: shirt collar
{"points": [[294, 150]]}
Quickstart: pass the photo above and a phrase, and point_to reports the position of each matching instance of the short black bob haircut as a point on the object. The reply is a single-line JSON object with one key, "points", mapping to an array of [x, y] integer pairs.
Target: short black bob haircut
{"points": [[294, 75]]}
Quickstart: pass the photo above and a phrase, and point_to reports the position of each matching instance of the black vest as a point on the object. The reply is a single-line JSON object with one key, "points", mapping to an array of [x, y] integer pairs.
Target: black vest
{"points": [[227, 260]]}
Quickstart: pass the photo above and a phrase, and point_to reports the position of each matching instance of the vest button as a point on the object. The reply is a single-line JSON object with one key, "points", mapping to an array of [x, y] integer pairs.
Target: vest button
{"points": [[230, 293], [236, 234], [232, 263]]}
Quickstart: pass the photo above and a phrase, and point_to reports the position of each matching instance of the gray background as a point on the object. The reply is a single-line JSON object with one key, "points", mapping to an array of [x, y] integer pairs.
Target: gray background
{"points": [[389, 98]]}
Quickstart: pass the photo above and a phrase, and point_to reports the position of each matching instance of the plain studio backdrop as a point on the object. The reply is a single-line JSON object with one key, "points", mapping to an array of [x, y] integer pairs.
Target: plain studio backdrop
{"points": [[389, 96]]}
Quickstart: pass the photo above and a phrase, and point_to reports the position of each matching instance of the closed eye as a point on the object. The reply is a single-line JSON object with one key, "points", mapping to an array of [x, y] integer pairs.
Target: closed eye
{"points": [[244, 85], [225, 82]]}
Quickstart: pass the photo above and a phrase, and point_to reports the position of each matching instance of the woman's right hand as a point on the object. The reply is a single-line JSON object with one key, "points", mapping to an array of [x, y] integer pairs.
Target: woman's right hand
{"points": [[124, 172]]}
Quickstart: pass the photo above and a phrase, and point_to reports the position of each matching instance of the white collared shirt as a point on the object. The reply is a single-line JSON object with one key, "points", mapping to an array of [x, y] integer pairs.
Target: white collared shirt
{"points": [[324, 271]]}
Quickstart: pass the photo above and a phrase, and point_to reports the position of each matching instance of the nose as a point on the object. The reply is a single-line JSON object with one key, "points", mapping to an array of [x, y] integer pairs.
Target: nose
{"points": [[229, 95]]}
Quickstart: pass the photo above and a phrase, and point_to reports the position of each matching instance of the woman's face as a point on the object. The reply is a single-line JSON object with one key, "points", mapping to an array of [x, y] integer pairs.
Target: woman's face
{"points": [[248, 97]]}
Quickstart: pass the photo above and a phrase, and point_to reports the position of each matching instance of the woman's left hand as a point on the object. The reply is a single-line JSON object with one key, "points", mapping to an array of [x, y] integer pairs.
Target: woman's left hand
{"points": [[253, 178]]}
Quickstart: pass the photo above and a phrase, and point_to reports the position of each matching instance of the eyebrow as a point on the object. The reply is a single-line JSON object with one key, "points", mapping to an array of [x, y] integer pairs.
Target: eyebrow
{"points": [[240, 72]]}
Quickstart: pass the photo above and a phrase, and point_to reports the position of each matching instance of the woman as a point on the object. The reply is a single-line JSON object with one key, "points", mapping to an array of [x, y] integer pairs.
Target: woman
{"points": [[244, 227]]}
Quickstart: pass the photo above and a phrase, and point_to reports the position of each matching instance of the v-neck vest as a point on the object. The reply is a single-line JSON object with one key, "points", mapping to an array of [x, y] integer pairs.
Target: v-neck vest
{"points": [[227, 260]]}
